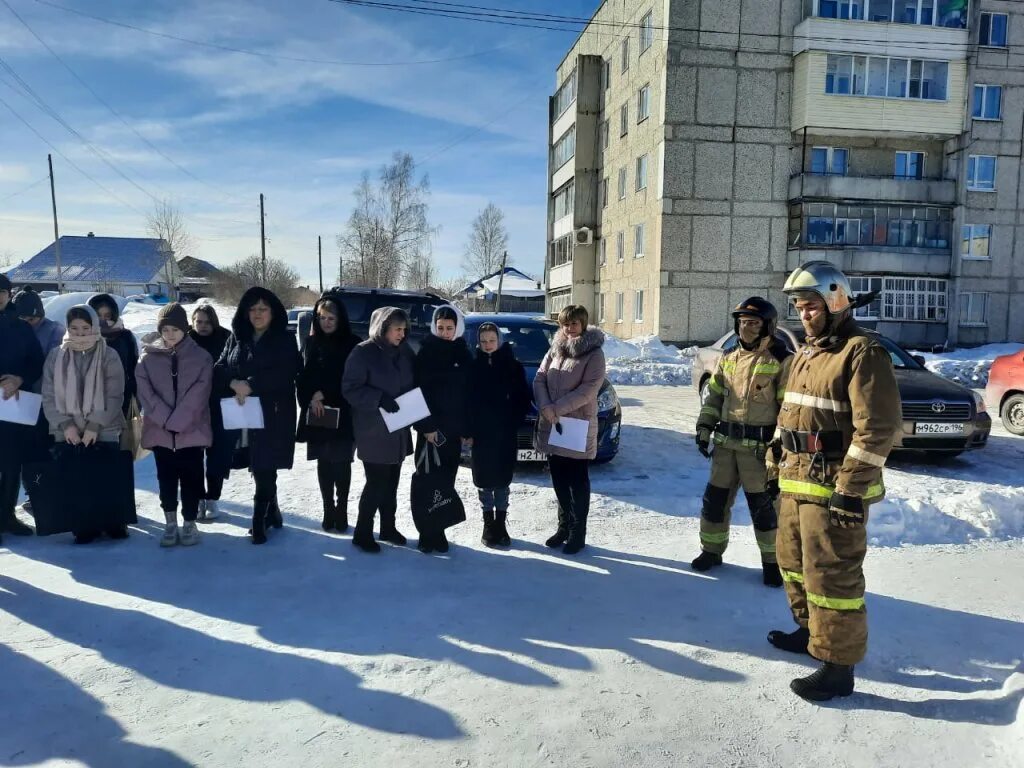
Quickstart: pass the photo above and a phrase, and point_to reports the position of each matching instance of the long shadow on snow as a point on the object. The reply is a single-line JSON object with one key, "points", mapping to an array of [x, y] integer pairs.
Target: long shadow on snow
{"points": [[479, 609], [48, 717]]}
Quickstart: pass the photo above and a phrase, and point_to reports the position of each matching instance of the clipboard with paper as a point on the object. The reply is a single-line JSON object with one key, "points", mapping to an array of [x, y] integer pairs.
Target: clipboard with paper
{"points": [[411, 408], [23, 409], [248, 415], [572, 436]]}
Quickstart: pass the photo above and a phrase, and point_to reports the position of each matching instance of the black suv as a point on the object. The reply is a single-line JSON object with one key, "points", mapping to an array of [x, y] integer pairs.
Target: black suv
{"points": [[361, 302]]}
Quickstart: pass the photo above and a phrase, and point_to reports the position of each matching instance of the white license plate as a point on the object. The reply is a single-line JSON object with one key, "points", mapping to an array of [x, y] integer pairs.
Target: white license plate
{"points": [[924, 428], [525, 454]]}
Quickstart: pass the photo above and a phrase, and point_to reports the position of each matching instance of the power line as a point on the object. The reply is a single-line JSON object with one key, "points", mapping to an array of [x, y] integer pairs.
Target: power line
{"points": [[265, 55], [22, 191]]}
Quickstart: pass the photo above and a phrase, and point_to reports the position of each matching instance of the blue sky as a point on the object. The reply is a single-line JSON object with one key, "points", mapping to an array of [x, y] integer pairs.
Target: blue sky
{"points": [[301, 133]]}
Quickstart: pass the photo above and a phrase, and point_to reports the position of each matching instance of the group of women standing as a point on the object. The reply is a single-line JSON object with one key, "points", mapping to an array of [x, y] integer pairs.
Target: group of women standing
{"points": [[337, 388]]}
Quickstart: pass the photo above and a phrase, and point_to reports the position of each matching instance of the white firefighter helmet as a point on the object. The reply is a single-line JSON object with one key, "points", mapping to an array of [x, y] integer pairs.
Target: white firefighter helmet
{"points": [[822, 279]]}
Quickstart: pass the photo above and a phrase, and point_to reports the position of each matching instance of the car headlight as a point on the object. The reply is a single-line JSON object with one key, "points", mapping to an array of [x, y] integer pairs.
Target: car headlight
{"points": [[607, 400], [979, 403]]}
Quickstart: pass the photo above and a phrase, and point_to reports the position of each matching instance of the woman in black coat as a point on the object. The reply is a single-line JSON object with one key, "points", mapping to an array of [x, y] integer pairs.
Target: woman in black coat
{"points": [[499, 400], [261, 360], [442, 372], [119, 339], [207, 332], [319, 387]]}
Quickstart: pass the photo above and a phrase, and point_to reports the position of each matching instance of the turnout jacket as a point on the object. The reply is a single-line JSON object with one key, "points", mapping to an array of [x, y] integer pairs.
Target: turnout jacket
{"points": [[746, 389], [842, 384]]}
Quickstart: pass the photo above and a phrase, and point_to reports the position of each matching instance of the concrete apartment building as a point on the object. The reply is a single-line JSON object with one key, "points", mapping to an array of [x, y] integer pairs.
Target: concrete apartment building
{"points": [[702, 149]]}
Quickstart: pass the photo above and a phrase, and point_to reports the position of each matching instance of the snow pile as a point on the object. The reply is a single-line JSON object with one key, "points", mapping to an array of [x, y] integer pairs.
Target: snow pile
{"points": [[140, 319], [646, 360], [965, 516], [969, 367]]}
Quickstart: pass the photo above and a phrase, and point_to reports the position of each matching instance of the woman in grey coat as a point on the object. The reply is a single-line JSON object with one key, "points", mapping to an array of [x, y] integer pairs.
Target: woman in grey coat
{"points": [[378, 371], [567, 385]]}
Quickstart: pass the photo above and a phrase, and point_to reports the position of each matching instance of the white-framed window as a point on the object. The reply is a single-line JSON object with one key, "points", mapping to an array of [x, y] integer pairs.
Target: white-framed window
{"points": [[602, 192], [624, 119], [641, 172], [638, 306], [563, 202], [860, 285], [646, 32], [605, 139], [909, 165], [885, 77], [600, 307], [940, 13], [914, 298], [625, 54], [620, 247], [561, 251], [992, 30], [643, 103], [564, 149], [974, 241], [981, 173], [620, 306], [829, 161], [974, 309], [558, 300], [565, 95], [639, 235], [602, 252], [622, 183], [988, 102]]}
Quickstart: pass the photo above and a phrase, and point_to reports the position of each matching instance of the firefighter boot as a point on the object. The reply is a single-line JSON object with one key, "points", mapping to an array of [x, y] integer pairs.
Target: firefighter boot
{"points": [[794, 642], [771, 575], [706, 561], [827, 682]]}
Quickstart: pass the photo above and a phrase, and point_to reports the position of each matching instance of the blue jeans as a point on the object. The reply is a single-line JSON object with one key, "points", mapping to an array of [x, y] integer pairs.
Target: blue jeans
{"points": [[493, 499]]}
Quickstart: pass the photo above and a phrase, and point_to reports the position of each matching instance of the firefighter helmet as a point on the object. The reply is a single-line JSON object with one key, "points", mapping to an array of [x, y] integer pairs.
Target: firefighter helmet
{"points": [[822, 279], [755, 306]]}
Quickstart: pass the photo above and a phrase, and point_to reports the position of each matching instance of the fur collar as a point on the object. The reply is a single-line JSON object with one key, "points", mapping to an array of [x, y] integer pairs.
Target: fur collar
{"points": [[588, 341]]}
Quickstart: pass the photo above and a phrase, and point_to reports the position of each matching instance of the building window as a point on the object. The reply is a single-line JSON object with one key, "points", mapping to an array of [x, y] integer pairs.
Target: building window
{"points": [[559, 300], [641, 172], [625, 54], [643, 104], [981, 173], [565, 95], [914, 298], [564, 149], [605, 139], [943, 13], [620, 247], [602, 252], [563, 201], [602, 191], [646, 32], [826, 225], [638, 306], [889, 78], [561, 251], [638, 240], [974, 309], [600, 307], [829, 161], [974, 241], [622, 183], [909, 165], [861, 285], [619, 306], [624, 120], [992, 30], [606, 73], [988, 102]]}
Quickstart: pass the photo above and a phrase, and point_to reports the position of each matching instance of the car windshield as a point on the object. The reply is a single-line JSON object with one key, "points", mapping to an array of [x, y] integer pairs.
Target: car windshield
{"points": [[900, 358], [529, 342]]}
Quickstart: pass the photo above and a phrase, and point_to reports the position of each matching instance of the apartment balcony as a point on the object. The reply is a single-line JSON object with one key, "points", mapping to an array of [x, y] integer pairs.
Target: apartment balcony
{"points": [[560, 276], [888, 189], [880, 39]]}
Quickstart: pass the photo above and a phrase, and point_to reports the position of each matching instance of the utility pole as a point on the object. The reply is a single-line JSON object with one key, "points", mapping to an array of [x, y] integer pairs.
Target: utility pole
{"points": [[263, 241], [56, 231], [320, 260], [501, 280]]}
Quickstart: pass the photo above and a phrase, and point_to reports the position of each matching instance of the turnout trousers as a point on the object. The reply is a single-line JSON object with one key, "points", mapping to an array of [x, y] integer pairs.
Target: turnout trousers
{"points": [[730, 470], [822, 567]]}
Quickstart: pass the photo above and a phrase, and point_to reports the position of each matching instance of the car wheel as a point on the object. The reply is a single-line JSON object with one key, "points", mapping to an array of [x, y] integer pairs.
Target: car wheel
{"points": [[703, 391], [1012, 414]]}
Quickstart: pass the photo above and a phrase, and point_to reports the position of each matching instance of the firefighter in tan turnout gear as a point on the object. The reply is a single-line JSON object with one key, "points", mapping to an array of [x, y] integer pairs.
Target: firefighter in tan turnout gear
{"points": [[738, 415], [837, 424]]}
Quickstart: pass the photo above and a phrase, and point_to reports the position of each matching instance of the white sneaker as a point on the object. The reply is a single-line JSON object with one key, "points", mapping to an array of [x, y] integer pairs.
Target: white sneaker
{"points": [[170, 537], [201, 515], [27, 507], [212, 513], [189, 534]]}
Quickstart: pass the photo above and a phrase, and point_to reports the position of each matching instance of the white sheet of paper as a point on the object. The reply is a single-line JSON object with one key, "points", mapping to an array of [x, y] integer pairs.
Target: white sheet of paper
{"points": [[574, 434], [411, 408], [247, 416], [24, 410]]}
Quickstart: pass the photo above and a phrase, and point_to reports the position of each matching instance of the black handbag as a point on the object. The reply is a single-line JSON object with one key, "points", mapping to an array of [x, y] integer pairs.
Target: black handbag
{"points": [[82, 489], [435, 502]]}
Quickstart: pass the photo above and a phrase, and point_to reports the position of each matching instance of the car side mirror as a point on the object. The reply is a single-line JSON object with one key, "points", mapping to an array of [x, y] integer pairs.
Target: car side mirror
{"points": [[919, 359]]}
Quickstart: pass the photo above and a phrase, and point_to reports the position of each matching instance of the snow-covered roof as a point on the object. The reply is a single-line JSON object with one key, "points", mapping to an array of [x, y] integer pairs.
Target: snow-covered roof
{"points": [[93, 259], [515, 283]]}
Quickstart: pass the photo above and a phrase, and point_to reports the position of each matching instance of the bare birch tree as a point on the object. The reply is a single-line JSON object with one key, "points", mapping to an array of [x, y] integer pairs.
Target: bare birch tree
{"points": [[488, 241], [166, 222]]}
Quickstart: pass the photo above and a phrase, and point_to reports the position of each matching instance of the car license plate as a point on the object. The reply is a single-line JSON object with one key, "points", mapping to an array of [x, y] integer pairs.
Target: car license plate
{"points": [[526, 454], [924, 428]]}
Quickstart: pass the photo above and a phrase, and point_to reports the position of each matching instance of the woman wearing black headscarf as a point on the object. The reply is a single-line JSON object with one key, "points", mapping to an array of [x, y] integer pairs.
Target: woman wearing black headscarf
{"points": [[119, 339]]}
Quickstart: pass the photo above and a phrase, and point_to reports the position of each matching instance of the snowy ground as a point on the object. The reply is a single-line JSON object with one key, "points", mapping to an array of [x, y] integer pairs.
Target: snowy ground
{"points": [[307, 652], [969, 367]]}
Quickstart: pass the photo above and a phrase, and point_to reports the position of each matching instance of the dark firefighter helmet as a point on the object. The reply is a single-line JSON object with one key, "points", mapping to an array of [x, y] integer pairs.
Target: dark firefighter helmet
{"points": [[755, 306]]}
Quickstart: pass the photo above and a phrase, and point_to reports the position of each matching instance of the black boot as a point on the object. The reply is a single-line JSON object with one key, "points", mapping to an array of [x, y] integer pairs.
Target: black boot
{"points": [[258, 531], [577, 535], [426, 543], [771, 575], [504, 540], [10, 523], [827, 682], [274, 518], [705, 561], [440, 541], [388, 531], [562, 533], [794, 642], [489, 538], [341, 517], [363, 535], [329, 522]]}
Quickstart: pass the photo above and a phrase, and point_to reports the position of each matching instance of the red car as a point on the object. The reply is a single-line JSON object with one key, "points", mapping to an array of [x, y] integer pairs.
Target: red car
{"points": [[1006, 389]]}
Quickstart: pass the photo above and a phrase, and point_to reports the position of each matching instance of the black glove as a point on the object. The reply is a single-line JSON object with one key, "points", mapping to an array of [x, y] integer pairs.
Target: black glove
{"points": [[771, 487], [703, 440], [846, 511], [388, 404]]}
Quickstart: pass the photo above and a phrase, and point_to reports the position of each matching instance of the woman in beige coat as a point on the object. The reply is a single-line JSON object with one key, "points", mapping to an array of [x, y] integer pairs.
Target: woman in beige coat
{"points": [[567, 385]]}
